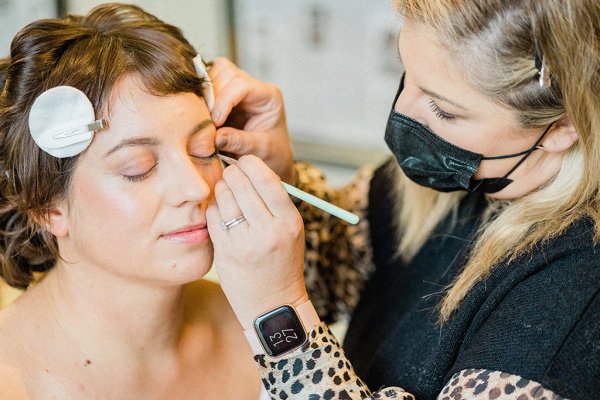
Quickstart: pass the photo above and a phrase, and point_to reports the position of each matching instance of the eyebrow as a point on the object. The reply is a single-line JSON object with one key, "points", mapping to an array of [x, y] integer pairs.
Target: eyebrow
{"points": [[201, 126], [148, 141], [442, 98], [427, 91]]}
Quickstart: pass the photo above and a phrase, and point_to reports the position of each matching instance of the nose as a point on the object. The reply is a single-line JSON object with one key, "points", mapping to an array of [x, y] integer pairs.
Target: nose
{"points": [[408, 103], [188, 183]]}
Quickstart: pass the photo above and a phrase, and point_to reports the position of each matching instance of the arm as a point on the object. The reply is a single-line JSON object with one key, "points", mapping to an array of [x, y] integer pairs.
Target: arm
{"points": [[250, 117], [545, 329], [540, 340], [338, 255], [321, 371], [485, 384]]}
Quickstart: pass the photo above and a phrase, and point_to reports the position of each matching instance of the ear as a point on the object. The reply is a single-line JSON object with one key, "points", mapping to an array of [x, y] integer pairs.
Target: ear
{"points": [[561, 137], [57, 219]]}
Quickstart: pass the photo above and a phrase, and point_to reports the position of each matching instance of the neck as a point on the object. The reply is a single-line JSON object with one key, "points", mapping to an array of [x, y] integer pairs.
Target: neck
{"points": [[539, 168], [108, 316]]}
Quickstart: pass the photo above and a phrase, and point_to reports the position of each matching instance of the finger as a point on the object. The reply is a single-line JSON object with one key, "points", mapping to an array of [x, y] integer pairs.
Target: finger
{"points": [[267, 184], [213, 220], [251, 204], [229, 96], [222, 68], [228, 206], [268, 111], [220, 77], [238, 142]]}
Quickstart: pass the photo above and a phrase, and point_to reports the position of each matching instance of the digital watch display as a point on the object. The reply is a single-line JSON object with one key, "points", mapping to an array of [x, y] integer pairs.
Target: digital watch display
{"points": [[280, 331]]}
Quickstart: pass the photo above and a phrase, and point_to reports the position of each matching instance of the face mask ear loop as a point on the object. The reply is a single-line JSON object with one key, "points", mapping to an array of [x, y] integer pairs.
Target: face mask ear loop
{"points": [[527, 152]]}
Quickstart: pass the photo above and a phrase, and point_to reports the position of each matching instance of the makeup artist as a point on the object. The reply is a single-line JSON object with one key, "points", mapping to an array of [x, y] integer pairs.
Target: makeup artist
{"points": [[475, 270]]}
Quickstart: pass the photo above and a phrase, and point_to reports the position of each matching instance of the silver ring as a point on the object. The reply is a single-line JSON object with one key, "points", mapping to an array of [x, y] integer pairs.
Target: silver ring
{"points": [[231, 223]]}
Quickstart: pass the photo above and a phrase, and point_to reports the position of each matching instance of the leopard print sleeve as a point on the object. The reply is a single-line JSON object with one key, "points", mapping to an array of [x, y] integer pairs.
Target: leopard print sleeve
{"points": [[484, 384], [338, 255], [318, 370]]}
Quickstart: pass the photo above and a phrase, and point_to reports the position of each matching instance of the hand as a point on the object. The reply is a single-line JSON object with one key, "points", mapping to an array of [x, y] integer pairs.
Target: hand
{"points": [[260, 261], [250, 118]]}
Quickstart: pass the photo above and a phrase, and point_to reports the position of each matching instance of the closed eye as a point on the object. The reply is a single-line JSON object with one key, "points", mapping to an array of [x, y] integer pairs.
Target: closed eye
{"points": [[207, 160], [439, 113], [140, 177]]}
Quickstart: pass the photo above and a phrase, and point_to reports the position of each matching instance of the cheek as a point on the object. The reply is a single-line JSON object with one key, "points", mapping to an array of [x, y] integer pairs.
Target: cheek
{"points": [[494, 168], [115, 207], [459, 133]]}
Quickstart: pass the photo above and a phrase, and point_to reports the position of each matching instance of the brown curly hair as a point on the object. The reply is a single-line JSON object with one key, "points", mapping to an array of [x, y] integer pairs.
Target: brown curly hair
{"points": [[90, 53]]}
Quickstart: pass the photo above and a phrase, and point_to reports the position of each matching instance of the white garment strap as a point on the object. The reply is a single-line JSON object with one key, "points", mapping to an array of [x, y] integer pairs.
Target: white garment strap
{"points": [[263, 393], [308, 317]]}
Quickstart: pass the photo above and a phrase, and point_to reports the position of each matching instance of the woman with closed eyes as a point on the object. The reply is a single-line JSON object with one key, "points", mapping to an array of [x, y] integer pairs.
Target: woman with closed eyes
{"points": [[108, 158]]}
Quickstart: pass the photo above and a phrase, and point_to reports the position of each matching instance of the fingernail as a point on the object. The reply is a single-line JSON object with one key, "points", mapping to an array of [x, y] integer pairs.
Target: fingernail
{"points": [[221, 141], [216, 116]]}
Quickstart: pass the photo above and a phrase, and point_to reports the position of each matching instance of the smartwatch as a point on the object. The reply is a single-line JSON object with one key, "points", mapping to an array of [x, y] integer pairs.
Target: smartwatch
{"points": [[282, 330]]}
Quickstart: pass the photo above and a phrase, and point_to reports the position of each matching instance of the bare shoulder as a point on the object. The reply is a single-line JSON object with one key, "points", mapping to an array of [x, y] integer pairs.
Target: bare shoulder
{"points": [[205, 300], [216, 338], [12, 384], [207, 308], [10, 338]]}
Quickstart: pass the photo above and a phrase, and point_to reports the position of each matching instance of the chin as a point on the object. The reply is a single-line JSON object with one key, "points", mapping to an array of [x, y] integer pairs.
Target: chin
{"points": [[182, 274], [188, 268]]}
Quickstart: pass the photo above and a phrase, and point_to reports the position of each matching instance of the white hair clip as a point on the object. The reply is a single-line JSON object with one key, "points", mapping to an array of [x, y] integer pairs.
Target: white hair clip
{"points": [[209, 94], [62, 121]]}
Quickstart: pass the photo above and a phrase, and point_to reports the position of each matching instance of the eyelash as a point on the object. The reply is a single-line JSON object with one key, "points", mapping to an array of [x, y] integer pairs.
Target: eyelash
{"points": [[208, 159], [439, 113], [141, 177]]}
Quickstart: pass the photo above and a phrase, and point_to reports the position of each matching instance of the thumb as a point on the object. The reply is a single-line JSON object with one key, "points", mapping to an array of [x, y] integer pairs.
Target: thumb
{"points": [[236, 141]]}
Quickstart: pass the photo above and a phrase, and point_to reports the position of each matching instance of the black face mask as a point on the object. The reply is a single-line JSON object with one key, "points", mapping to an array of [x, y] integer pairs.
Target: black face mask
{"points": [[430, 161]]}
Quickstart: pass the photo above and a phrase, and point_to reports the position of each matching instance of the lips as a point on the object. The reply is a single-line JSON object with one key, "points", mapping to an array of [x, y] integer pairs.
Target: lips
{"points": [[192, 234]]}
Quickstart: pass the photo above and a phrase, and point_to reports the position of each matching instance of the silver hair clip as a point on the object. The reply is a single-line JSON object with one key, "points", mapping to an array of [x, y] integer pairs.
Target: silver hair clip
{"points": [[543, 73], [93, 127], [62, 121], [544, 79]]}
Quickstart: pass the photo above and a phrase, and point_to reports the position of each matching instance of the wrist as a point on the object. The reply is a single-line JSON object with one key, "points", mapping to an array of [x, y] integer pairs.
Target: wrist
{"points": [[249, 315], [282, 330]]}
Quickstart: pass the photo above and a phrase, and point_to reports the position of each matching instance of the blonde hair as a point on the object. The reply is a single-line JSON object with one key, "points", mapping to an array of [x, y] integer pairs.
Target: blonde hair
{"points": [[495, 41]]}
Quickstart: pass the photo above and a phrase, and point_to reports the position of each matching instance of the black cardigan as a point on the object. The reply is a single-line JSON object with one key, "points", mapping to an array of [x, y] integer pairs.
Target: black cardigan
{"points": [[537, 317]]}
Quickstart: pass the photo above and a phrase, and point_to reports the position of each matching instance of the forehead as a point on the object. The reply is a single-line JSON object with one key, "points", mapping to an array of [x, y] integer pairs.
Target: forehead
{"points": [[133, 111], [431, 66], [420, 48]]}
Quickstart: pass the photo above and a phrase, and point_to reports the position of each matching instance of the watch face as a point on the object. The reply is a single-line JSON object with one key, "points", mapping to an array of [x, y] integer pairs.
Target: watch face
{"points": [[280, 331]]}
